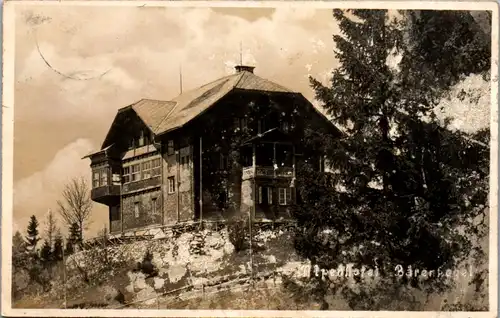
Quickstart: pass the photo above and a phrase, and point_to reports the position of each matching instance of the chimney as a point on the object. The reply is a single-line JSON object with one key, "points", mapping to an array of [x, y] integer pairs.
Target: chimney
{"points": [[244, 68]]}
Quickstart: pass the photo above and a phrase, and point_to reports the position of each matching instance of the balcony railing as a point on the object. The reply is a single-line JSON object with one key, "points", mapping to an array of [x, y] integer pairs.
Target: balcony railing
{"points": [[142, 184], [270, 172]]}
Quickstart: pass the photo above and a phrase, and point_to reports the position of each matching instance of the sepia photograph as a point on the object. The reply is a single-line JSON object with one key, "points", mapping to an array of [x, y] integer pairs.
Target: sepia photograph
{"points": [[249, 158]]}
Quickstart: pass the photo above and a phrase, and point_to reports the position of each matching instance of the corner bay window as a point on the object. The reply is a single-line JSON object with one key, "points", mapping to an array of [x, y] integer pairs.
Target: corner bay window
{"points": [[100, 177], [95, 179]]}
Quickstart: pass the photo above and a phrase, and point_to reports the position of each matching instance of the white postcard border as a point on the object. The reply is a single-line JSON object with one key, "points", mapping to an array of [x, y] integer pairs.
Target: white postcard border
{"points": [[8, 138]]}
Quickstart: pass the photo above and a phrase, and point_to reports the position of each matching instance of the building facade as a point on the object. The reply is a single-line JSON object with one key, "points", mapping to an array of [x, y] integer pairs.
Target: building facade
{"points": [[227, 149]]}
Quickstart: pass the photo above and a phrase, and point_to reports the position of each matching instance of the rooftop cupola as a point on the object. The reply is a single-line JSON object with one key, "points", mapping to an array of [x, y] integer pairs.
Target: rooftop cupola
{"points": [[244, 68]]}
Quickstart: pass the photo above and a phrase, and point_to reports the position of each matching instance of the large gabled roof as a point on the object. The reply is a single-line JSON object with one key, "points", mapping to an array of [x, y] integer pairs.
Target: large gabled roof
{"points": [[153, 112], [163, 116]]}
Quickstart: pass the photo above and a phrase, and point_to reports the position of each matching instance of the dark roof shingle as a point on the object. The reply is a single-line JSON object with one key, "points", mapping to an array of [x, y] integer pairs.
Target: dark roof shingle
{"points": [[162, 116]]}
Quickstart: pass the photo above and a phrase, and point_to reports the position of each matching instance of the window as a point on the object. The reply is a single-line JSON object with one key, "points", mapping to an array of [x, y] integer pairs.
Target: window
{"points": [[156, 167], [95, 179], [141, 139], [270, 195], [146, 170], [240, 123], [154, 207], [321, 164], [265, 195], [170, 147], [126, 174], [136, 173], [285, 196], [104, 177], [136, 209], [243, 123], [236, 124], [284, 126], [223, 162], [185, 161], [171, 184], [116, 179]]}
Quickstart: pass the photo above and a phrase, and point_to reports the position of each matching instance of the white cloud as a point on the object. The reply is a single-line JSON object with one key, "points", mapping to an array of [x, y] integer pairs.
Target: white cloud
{"points": [[38, 193]]}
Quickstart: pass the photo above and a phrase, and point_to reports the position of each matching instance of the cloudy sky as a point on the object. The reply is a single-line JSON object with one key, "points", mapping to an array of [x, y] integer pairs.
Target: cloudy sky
{"points": [[75, 66]]}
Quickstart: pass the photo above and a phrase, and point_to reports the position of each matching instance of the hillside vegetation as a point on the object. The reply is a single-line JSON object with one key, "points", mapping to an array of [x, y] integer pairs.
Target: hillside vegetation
{"points": [[202, 270]]}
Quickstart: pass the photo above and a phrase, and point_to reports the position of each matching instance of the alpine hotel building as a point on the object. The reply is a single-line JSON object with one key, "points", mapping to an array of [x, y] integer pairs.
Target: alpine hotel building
{"points": [[167, 162]]}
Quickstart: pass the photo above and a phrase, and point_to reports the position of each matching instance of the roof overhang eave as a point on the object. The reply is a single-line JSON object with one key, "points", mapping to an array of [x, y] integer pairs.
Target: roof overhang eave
{"points": [[335, 128], [159, 134], [104, 150]]}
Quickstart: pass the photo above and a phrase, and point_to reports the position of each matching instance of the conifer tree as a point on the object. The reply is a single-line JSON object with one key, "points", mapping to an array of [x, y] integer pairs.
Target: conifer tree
{"points": [[73, 238], [74, 234], [403, 183], [69, 249], [19, 259], [50, 228], [46, 253], [58, 246], [18, 243], [32, 234]]}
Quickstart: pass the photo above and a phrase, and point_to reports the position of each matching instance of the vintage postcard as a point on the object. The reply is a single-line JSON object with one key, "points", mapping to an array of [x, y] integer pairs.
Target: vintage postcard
{"points": [[277, 159]]}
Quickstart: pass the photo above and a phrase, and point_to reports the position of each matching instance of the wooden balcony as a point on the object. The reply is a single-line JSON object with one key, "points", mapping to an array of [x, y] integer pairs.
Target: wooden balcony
{"points": [[141, 185], [105, 194], [267, 172]]}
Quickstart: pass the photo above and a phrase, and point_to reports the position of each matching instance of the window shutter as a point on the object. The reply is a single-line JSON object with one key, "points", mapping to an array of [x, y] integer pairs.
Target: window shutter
{"points": [[288, 195], [293, 196]]}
